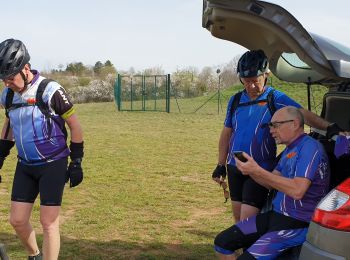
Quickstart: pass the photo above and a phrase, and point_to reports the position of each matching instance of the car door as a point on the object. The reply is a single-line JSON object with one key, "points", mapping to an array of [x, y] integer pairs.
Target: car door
{"points": [[295, 55]]}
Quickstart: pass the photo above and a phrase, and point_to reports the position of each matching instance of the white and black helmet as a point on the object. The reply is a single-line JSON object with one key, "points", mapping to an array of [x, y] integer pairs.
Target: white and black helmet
{"points": [[13, 57], [252, 64]]}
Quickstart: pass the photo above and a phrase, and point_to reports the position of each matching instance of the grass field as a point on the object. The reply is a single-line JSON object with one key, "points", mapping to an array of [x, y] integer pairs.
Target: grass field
{"points": [[147, 192]]}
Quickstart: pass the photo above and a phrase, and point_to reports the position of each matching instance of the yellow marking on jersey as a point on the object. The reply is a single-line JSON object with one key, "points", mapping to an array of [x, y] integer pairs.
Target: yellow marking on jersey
{"points": [[68, 113]]}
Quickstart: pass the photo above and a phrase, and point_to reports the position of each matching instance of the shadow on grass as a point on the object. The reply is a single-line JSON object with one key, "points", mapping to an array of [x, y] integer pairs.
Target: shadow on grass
{"points": [[115, 249]]}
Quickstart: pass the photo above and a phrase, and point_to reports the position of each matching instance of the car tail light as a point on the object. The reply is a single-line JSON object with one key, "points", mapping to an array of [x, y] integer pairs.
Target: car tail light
{"points": [[334, 210]]}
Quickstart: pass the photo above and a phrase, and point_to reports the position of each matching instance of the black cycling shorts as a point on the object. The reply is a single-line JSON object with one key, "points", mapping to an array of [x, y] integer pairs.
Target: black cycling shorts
{"points": [[244, 189], [47, 179]]}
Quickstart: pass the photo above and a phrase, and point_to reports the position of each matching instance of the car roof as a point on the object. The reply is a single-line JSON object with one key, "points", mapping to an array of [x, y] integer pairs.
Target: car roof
{"points": [[295, 55]]}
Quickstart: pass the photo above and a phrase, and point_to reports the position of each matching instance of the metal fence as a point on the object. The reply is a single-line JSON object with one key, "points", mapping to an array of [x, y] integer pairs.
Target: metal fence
{"points": [[143, 93], [156, 93]]}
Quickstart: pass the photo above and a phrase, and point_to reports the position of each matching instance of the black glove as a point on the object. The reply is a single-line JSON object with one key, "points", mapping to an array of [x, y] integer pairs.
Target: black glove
{"points": [[5, 147], [219, 171], [333, 129], [75, 173]]}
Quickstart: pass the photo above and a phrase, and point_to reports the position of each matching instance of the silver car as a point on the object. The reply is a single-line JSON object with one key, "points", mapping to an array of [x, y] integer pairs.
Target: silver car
{"points": [[299, 56]]}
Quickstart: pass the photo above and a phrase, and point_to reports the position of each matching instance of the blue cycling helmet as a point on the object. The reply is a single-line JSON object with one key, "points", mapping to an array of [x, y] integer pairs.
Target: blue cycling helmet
{"points": [[13, 57], [252, 64]]}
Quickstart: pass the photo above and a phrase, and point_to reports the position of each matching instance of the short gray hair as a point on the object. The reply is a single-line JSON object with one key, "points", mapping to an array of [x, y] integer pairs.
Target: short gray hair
{"points": [[296, 114]]}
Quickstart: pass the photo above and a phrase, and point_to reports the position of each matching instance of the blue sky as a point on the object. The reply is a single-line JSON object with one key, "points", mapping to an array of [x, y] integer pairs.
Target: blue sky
{"points": [[142, 34]]}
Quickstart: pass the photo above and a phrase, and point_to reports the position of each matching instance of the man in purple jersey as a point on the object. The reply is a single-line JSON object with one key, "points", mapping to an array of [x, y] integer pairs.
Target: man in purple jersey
{"points": [[301, 179], [36, 125]]}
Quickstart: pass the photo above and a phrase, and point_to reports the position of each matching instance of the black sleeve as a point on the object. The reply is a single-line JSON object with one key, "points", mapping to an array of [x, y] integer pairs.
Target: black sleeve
{"points": [[60, 102]]}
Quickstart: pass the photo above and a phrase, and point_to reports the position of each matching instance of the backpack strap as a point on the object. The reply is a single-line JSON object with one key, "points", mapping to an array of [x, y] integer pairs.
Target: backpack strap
{"points": [[44, 108], [235, 101], [270, 102], [8, 101]]}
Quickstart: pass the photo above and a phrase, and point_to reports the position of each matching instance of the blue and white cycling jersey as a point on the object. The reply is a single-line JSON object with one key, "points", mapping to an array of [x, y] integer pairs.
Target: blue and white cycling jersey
{"points": [[304, 158], [246, 122], [38, 139]]}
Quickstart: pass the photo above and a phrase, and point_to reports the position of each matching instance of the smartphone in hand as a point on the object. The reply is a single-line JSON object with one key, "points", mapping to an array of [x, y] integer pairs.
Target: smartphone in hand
{"points": [[239, 155]]}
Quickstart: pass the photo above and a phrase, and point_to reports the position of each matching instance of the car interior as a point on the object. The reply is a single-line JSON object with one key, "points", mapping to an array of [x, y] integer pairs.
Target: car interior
{"points": [[336, 107]]}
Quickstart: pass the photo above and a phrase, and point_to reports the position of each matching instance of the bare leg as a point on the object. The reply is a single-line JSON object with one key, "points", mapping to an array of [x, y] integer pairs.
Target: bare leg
{"points": [[236, 210], [49, 218], [248, 211], [226, 257], [19, 219]]}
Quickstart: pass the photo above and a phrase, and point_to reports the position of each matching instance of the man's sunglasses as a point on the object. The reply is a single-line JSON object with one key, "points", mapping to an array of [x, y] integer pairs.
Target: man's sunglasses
{"points": [[276, 124], [223, 184]]}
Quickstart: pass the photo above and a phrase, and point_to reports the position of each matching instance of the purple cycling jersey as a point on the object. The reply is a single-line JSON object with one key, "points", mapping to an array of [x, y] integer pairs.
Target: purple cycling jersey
{"points": [[38, 139], [304, 158]]}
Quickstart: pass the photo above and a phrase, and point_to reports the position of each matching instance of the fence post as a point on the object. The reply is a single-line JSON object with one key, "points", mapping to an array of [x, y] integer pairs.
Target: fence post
{"points": [[167, 93], [117, 91]]}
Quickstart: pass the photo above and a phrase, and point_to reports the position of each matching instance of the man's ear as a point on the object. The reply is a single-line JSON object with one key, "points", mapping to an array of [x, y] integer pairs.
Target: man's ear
{"points": [[296, 123]]}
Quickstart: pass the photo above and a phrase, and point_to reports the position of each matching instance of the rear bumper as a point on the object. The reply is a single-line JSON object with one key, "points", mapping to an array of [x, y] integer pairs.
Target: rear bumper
{"points": [[310, 252]]}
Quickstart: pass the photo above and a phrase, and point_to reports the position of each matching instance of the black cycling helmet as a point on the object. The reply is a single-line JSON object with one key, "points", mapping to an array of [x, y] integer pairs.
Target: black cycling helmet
{"points": [[252, 64], [13, 57]]}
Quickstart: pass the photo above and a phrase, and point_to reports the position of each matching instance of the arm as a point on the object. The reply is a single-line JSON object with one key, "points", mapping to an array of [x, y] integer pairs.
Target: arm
{"points": [[76, 132], [294, 188], [63, 107], [313, 120], [6, 142], [6, 133], [219, 174], [224, 143]]}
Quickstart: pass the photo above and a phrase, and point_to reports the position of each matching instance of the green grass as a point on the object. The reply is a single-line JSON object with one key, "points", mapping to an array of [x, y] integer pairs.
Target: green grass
{"points": [[147, 192]]}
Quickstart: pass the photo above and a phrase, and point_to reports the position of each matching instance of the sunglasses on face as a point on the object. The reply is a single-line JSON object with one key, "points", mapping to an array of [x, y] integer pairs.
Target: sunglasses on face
{"points": [[223, 184], [276, 124]]}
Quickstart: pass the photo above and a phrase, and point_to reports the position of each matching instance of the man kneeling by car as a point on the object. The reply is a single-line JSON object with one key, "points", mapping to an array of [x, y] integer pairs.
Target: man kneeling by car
{"points": [[301, 179]]}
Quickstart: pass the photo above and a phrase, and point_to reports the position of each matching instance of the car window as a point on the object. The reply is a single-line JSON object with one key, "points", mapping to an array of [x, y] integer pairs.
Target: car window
{"points": [[293, 60]]}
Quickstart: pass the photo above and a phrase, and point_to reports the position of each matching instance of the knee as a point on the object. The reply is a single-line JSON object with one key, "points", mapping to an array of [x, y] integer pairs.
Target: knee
{"points": [[230, 239], [49, 225], [220, 241], [220, 246], [16, 221]]}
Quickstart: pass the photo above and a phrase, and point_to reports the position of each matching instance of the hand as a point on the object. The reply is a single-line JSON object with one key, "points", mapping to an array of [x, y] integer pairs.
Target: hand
{"points": [[249, 167], [75, 173], [333, 129], [219, 174]]}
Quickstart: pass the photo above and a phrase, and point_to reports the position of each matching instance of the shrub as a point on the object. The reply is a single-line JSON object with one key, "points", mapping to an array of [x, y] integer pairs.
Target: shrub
{"points": [[96, 91]]}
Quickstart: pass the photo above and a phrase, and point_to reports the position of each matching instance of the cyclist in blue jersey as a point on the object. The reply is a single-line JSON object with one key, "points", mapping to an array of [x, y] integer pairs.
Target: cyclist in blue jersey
{"points": [[242, 132], [36, 125], [301, 178]]}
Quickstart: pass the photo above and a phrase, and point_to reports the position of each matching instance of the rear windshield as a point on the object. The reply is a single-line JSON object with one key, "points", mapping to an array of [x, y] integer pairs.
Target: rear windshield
{"points": [[293, 60]]}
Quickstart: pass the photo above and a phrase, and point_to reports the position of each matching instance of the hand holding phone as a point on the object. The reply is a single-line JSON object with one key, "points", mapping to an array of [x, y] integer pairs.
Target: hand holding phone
{"points": [[239, 156]]}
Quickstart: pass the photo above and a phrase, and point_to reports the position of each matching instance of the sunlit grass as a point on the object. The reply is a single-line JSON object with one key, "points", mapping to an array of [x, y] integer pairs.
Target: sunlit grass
{"points": [[147, 192]]}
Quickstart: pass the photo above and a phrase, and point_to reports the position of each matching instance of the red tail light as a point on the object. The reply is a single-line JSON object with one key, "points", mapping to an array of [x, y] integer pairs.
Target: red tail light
{"points": [[334, 210]]}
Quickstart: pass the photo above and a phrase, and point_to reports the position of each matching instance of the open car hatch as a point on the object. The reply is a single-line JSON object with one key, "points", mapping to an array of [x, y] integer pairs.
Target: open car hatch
{"points": [[295, 55]]}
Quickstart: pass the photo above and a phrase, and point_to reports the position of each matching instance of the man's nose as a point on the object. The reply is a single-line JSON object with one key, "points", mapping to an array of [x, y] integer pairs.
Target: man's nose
{"points": [[251, 85]]}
